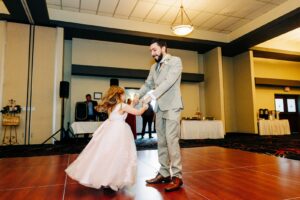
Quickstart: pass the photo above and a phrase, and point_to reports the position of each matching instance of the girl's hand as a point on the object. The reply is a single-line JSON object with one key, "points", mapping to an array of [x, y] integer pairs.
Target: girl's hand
{"points": [[145, 106]]}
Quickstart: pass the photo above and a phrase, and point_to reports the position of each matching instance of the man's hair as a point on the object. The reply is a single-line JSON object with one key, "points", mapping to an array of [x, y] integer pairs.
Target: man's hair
{"points": [[88, 95], [160, 42]]}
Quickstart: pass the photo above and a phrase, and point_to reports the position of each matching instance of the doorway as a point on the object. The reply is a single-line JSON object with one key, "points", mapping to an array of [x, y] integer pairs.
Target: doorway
{"points": [[288, 106], [129, 92]]}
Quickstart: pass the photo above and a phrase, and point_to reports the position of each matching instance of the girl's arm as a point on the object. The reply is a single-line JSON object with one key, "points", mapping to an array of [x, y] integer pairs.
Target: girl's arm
{"points": [[129, 109]]}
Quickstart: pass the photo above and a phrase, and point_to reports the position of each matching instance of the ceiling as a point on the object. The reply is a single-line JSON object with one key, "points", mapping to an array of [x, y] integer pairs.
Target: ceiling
{"points": [[289, 41], [216, 20], [3, 8], [235, 25]]}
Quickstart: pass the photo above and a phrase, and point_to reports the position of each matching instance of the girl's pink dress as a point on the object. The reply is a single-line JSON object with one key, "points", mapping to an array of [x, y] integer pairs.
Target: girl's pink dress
{"points": [[110, 158]]}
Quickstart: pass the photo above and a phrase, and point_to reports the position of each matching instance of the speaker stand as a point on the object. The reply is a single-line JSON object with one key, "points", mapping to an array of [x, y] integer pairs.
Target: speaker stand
{"points": [[65, 134]]}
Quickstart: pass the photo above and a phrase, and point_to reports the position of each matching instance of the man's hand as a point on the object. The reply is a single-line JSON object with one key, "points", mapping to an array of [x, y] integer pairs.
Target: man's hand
{"points": [[146, 99]]}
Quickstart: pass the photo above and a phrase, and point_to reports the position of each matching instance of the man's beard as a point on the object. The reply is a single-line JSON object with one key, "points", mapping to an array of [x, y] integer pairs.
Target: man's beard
{"points": [[159, 58]]}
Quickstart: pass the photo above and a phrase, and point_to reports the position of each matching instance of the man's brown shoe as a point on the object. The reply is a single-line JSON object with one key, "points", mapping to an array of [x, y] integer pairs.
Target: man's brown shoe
{"points": [[159, 179], [174, 185]]}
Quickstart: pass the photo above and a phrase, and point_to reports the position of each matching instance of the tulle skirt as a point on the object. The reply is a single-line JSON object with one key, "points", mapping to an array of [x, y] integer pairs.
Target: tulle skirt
{"points": [[109, 159]]}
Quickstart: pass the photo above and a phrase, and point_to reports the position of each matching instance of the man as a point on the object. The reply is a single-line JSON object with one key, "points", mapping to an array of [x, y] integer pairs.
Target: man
{"points": [[165, 78], [91, 107], [148, 116]]}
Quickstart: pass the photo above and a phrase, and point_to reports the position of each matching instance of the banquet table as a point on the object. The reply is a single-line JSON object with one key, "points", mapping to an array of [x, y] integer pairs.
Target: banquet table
{"points": [[274, 127], [85, 127], [202, 129]]}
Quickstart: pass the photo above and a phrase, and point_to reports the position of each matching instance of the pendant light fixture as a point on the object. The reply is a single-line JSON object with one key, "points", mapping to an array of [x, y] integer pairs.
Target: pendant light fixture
{"points": [[185, 27]]}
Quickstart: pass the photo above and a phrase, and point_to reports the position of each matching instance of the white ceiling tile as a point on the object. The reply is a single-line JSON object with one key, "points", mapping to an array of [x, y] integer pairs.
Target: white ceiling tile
{"points": [[244, 11], [70, 3], [237, 25], [105, 14], [232, 8], [278, 2], [56, 2], [150, 20], [167, 2], [121, 16], [142, 9], [225, 31], [157, 12], [125, 7], [213, 21], [169, 16], [202, 18], [88, 11], [149, 1], [191, 13], [71, 9], [136, 18], [227, 22], [54, 6], [212, 6], [260, 11], [108, 6], [89, 4]]}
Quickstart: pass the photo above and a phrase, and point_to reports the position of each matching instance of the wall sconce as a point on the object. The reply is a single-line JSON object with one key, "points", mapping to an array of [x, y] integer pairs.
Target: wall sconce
{"points": [[287, 89]]}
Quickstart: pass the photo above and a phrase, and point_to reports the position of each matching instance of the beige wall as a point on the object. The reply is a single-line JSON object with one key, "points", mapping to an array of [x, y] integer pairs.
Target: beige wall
{"points": [[16, 80], [67, 66], [214, 94], [279, 69], [15, 70], [42, 84], [111, 54], [229, 94], [244, 93], [2, 59], [265, 96]]}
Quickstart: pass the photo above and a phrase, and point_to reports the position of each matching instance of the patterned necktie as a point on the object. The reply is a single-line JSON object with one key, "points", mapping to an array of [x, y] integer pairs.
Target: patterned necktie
{"points": [[158, 66]]}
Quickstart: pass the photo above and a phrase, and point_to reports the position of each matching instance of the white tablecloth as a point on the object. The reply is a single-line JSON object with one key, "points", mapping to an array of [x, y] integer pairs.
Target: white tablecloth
{"points": [[206, 129], [274, 127], [85, 127]]}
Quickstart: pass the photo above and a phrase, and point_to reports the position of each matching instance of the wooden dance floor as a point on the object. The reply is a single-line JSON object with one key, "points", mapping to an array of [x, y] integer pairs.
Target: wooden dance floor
{"points": [[208, 173]]}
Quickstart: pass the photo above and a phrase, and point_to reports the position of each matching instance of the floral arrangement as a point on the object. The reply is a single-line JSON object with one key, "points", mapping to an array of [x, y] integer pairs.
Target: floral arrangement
{"points": [[11, 108]]}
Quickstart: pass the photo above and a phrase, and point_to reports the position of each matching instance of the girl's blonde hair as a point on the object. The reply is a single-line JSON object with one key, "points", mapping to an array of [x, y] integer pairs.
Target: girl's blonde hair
{"points": [[111, 98]]}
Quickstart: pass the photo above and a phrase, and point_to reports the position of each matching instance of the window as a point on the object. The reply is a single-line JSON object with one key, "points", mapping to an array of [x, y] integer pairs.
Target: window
{"points": [[291, 105], [279, 105]]}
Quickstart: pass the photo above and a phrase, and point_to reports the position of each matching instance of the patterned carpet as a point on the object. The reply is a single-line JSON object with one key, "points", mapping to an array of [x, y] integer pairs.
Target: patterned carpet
{"points": [[287, 146]]}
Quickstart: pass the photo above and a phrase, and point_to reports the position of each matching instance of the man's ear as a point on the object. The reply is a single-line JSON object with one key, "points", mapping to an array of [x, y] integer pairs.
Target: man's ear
{"points": [[164, 49]]}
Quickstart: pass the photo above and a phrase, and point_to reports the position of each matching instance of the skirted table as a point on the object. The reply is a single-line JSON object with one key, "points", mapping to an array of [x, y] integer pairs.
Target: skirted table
{"points": [[202, 129], [274, 127], [85, 127]]}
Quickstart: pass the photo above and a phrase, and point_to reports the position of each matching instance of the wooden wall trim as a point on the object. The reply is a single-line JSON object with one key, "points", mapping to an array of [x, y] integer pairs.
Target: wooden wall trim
{"points": [[277, 82], [276, 55], [114, 72]]}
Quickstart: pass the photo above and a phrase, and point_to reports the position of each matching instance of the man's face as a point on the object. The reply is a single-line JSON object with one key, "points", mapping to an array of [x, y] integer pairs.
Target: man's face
{"points": [[88, 98], [157, 52]]}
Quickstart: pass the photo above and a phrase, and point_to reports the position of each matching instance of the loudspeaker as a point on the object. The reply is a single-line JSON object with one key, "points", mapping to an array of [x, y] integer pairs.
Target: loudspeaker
{"points": [[81, 111], [64, 89], [114, 81]]}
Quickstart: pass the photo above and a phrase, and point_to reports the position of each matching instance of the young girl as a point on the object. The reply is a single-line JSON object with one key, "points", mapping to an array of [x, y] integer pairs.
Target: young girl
{"points": [[109, 159]]}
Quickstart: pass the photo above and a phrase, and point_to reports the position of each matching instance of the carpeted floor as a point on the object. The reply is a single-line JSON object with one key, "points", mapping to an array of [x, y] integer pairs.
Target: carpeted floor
{"points": [[287, 146]]}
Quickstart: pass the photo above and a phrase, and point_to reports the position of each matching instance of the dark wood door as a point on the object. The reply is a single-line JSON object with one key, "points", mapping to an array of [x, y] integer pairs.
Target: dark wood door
{"points": [[288, 105]]}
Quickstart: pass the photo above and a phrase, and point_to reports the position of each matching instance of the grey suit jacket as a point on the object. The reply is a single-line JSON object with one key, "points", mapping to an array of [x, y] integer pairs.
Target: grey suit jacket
{"points": [[165, 83]]}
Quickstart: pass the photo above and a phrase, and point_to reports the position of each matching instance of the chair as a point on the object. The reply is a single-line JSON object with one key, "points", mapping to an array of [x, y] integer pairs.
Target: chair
{"points": [[81, 111]]}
